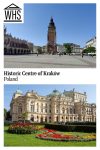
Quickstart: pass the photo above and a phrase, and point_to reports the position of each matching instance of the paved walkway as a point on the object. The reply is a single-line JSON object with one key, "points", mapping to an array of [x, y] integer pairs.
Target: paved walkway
{"points": [[48, 61]]}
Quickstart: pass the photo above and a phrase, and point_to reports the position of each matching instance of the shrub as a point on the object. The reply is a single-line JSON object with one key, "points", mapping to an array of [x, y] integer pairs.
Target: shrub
{"points": [[22, 128], [80, 123], [7, 123], [70, 128]]}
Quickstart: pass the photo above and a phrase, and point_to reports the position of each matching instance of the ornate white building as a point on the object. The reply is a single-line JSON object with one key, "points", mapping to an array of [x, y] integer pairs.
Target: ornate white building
{"points": [[69, 106]]}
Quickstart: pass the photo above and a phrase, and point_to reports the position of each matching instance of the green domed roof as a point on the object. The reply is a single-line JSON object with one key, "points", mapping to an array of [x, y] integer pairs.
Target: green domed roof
{"points": [[55, 93], [18, 91]]}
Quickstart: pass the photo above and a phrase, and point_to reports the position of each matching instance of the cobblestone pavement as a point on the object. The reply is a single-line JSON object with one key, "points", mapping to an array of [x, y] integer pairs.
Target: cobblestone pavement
{"points": [[48, 61]]}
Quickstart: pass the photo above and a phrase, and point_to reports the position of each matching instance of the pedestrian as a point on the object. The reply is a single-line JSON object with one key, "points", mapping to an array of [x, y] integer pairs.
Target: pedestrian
{"points": [[37, 54], [59, 54], [82, 55]]}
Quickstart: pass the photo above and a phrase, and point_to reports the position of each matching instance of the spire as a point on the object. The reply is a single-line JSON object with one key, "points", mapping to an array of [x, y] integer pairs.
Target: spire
{"points": [[51, 24], [51, 20], [5, 29]]}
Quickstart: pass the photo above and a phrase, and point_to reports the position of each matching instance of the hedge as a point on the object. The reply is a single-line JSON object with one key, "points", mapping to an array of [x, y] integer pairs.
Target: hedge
{"points": [[80, 123], [72, 128]]}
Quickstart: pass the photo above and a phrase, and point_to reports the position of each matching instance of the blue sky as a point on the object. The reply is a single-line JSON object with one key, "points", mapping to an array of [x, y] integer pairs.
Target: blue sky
{"points": [[9, 90], [75, 23]]}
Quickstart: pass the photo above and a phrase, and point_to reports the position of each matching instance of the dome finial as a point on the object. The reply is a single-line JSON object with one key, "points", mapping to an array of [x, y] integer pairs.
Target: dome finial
{"points": [[51, 20]]}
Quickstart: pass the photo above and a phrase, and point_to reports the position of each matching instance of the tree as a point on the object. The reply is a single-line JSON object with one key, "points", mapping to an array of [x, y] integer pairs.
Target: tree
{"points": [[5, 113], [39, 50], [68, 48], [8, 115], [89, 50]]}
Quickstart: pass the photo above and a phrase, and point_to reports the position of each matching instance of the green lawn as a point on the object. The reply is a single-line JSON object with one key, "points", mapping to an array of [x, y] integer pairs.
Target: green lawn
{"points": [[30, 140]]}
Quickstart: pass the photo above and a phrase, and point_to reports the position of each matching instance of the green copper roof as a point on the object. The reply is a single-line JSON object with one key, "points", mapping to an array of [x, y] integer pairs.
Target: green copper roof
{"points": [[18, 91], [55, 93]]}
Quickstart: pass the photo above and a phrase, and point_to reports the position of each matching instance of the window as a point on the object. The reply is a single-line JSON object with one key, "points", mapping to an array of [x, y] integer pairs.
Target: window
{"points": [[32, 118], [70, 118], [57, 119], [50, 119], [46, 108], [74, 110], [67, 111], [71, 111], [32, 108], [49, 108], [56, 110], [42, 108], [63, 110], [37, 107], [45, 119], [20, 109], [46, 105]]}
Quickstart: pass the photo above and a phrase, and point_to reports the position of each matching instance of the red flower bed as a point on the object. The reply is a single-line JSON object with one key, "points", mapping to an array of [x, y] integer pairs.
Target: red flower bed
{"points": [[53, 135]]}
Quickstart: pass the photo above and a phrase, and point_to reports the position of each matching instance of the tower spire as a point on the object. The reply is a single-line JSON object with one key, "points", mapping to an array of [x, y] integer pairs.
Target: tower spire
{"points": [[5, 30]]}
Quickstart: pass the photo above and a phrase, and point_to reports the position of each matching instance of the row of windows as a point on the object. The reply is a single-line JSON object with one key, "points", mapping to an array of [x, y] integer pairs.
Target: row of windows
{"points": [[44, 109], [57, 119], [68, 110], [77, 96]]}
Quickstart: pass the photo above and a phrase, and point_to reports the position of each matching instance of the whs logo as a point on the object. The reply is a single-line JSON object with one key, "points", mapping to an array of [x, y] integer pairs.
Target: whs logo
{"points": [[13, 13]]}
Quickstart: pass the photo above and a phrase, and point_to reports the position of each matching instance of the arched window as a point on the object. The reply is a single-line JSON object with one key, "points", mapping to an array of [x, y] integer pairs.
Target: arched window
{"points": [[74, 110], [56, 110], [67, 111], [63, 110], [32, 118], [57, 119], [41, 119], [32, 108], [42, 107], [71, 111], [49, 108], [37, 107], [20, 108], [46, 119], [37, 118], [50, 119], [46, 107], [70, 118]]}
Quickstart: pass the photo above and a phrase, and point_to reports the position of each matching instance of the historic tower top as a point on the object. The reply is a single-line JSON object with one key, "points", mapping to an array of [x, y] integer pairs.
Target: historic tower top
{"points": [[51, 38], [5, 30], [51, 24]]}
